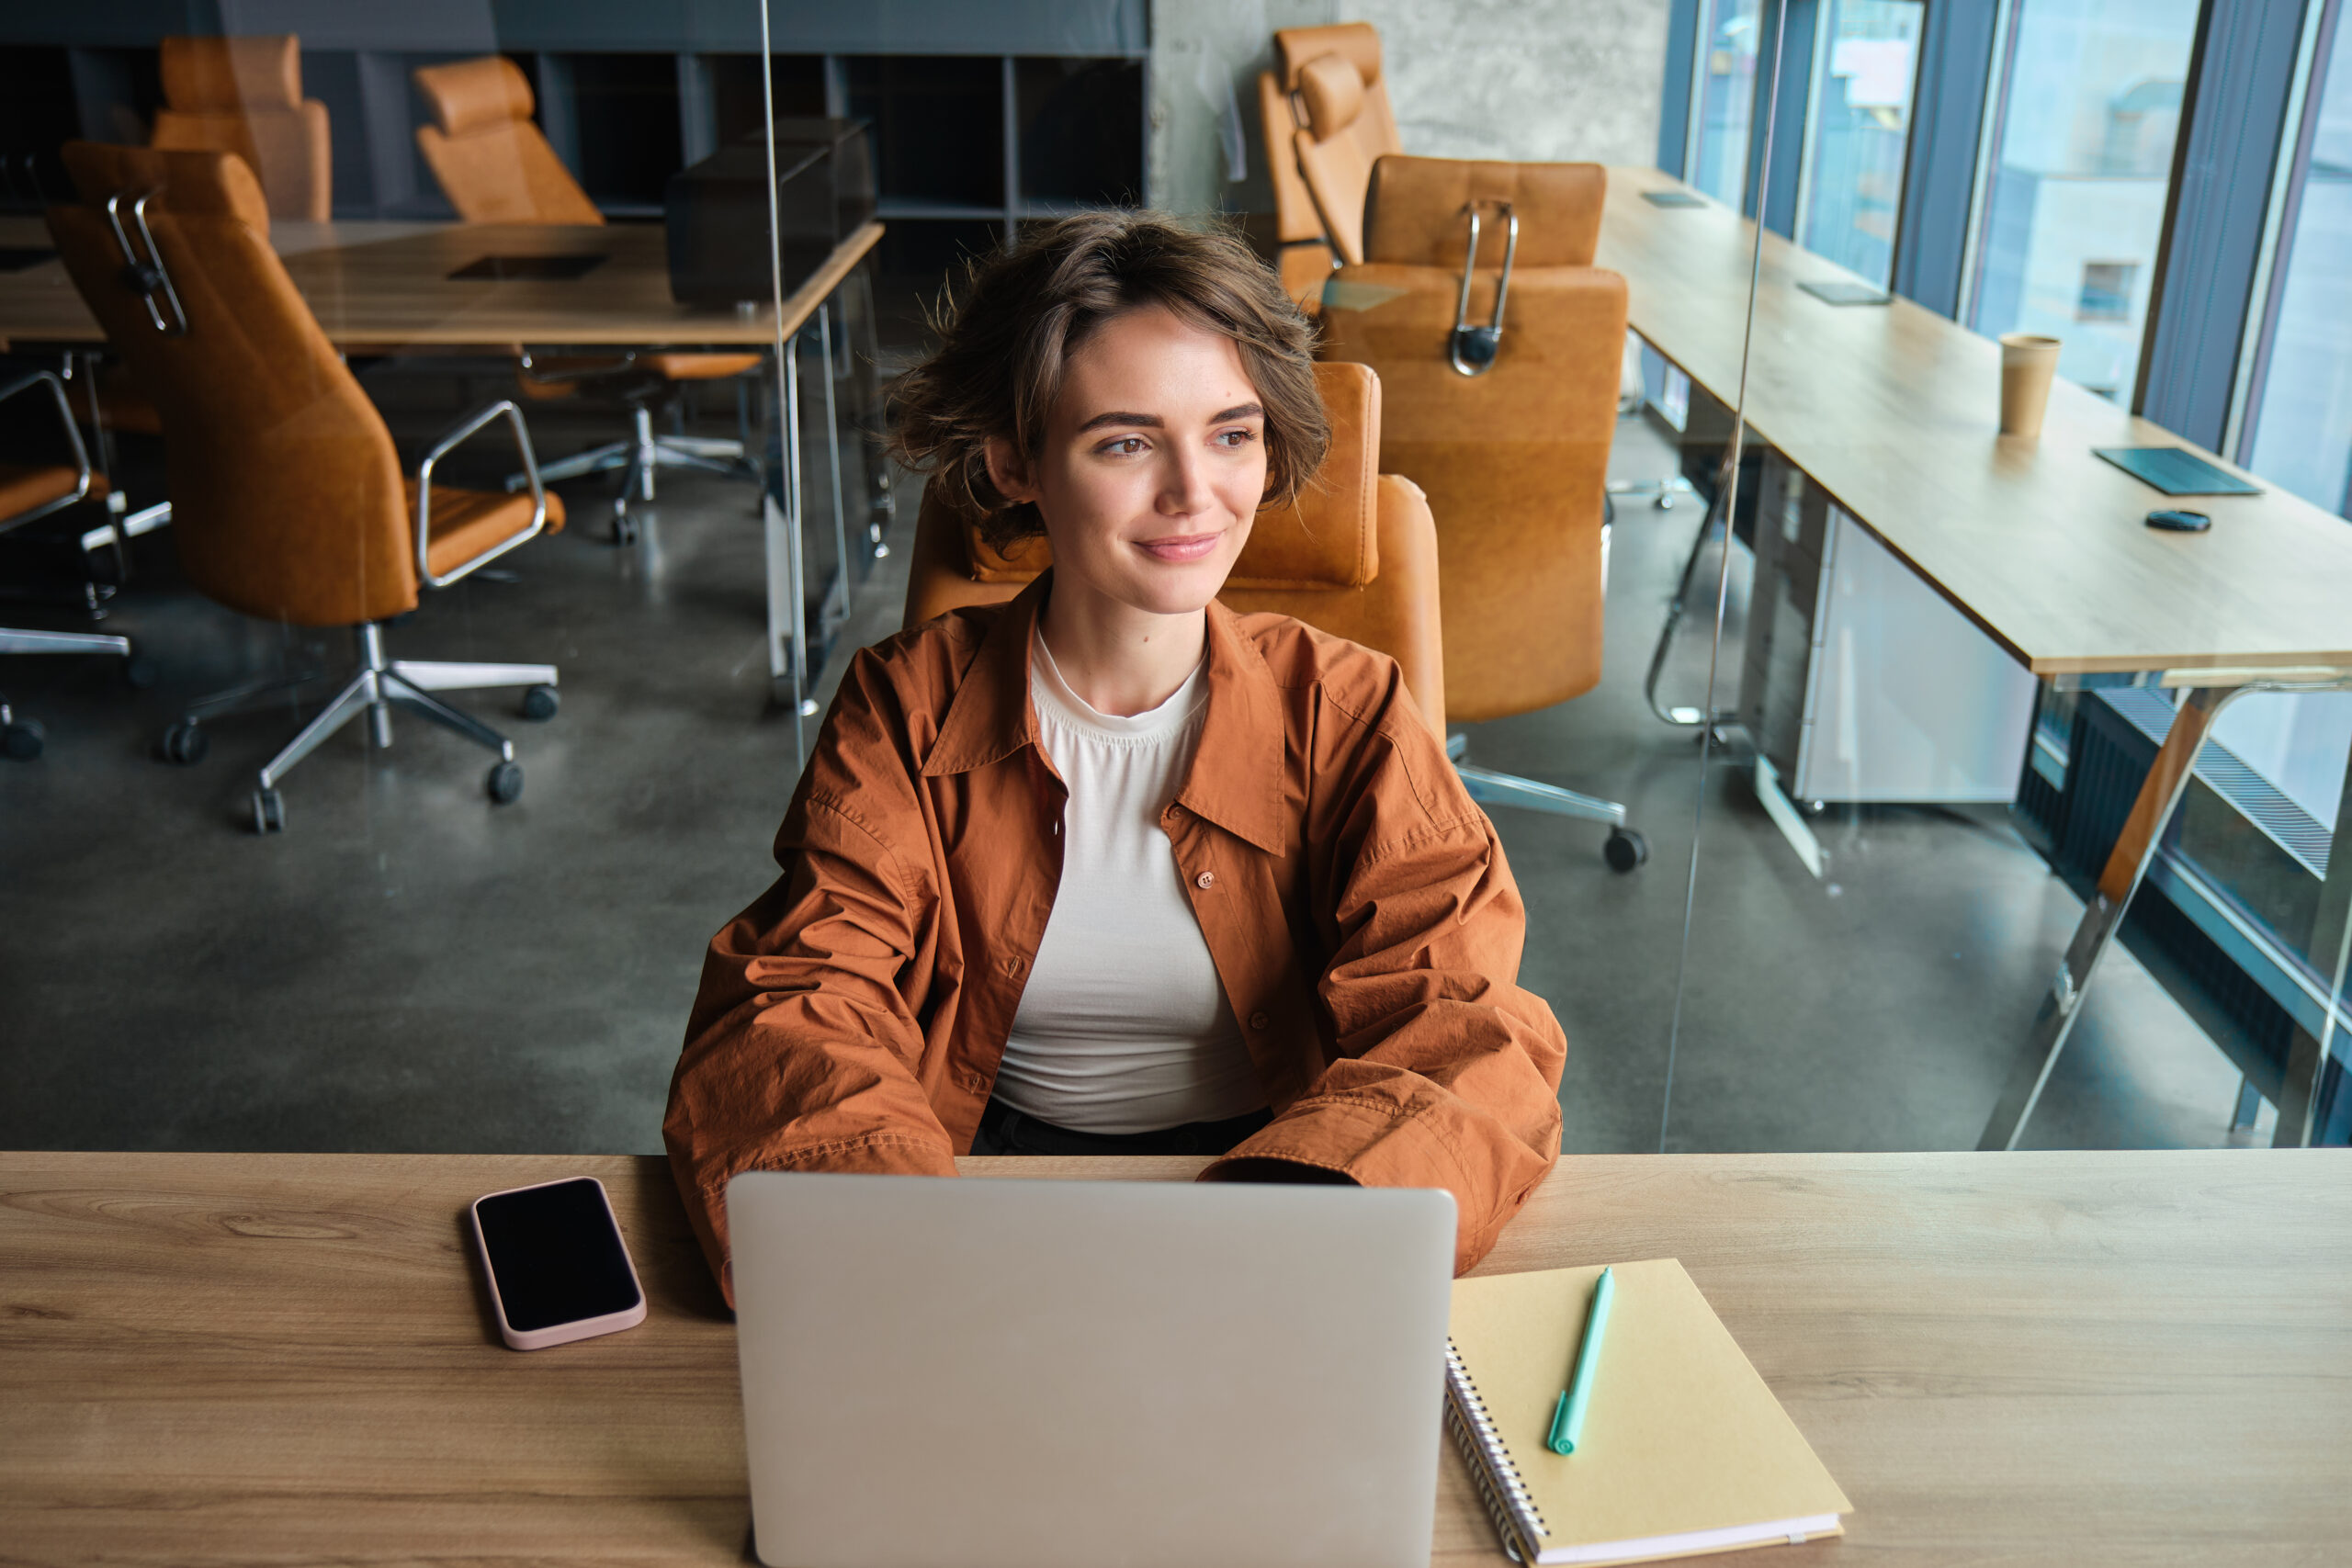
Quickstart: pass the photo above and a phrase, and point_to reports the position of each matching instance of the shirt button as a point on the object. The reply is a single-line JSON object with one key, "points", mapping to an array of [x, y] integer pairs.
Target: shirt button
{"points": [[1259, 1019], [974, 1082], [1012, 965], [1206, 880]]}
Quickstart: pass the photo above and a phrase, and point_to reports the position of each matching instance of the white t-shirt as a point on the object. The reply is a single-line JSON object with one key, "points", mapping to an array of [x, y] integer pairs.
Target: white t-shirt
{"points": [[1124, 1026]]}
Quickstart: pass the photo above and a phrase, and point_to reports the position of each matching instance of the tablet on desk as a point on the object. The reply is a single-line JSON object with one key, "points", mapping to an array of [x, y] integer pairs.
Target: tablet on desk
{"points": [[2175, 470]]}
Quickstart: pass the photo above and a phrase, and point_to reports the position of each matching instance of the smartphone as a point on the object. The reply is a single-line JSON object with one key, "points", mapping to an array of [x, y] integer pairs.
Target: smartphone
{"points": [[558, 1270]]}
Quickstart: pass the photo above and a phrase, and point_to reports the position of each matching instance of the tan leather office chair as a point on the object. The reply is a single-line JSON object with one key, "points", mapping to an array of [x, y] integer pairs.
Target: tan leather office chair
{"points": [[34, 490], [289, 502], [1508, 432], [244, 96], [1342, 124], [495, 166], [1355, 555]]}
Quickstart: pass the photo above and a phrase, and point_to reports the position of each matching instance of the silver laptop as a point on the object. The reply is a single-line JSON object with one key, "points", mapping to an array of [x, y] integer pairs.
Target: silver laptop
{"points": [[1089, 1375]]}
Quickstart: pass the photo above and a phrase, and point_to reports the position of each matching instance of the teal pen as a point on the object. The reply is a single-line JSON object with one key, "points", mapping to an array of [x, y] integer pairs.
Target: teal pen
{"points": [[1567, 1416]]}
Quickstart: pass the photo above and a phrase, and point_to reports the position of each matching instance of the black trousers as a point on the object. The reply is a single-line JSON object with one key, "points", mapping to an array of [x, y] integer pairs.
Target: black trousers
{"points": [[1004, 1131]]}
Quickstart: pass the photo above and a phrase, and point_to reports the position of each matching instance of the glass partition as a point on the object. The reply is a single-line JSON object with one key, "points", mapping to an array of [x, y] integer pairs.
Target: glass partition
{"points": [[1957, 885]]}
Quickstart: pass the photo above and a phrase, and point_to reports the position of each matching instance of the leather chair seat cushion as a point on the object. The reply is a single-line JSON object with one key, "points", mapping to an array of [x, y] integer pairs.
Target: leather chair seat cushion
{"points": [[1413, 211], [1327, 538], [698, 366], [124, 404], [466, 523], [24, 486]]}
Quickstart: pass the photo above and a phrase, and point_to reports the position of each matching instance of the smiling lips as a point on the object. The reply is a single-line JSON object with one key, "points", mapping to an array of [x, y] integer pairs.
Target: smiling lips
{"points": [[1178, 550]]}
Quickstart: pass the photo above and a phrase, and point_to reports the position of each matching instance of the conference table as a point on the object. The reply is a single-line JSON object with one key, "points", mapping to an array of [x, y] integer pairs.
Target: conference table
{"points": [[2061, 1357], [1891, 411], [391, 288]]}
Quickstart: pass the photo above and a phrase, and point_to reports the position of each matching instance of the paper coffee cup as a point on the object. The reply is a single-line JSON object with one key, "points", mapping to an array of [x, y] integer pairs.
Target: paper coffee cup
{"points": [[2027, 362]]}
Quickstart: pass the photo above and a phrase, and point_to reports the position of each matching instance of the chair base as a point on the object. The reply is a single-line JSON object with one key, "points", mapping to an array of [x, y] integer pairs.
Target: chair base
{"points": [[379, 685], [21, 739], [1625, 849], [642, 454]]}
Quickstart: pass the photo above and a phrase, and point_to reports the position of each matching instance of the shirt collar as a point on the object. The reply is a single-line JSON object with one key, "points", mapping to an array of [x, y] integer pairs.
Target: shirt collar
{"points": [[1235, 779]]}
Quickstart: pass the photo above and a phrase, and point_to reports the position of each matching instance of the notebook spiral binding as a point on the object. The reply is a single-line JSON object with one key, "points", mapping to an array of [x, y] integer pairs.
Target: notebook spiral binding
{"points": [[1499, 1488]]}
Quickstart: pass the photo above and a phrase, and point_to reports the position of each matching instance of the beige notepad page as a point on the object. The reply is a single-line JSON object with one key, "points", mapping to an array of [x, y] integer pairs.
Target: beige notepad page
{"points": [[1681, 1439]]}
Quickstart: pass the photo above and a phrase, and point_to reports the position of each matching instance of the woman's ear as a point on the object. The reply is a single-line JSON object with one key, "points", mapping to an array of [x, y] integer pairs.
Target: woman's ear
{"points": [[1008, 472]]}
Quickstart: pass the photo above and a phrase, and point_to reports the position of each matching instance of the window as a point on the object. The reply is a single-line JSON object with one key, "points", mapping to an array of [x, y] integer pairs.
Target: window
{"points": [[2088, 108], [2302, 418], [1727, 99], [2107, 291], [1860, 125]]}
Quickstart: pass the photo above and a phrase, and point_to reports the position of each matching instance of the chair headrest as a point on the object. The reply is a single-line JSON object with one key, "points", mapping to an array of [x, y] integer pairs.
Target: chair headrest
{"points": [[476, 94], [1327, 538], [1334, 93], [191, 184], [1357, 42], [1413, 210], [225, 75]]}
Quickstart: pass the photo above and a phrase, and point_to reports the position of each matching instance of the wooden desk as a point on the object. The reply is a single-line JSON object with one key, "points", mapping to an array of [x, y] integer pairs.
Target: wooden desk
{"points": [[2036, 1358], [1894, 411], [385, 287]]}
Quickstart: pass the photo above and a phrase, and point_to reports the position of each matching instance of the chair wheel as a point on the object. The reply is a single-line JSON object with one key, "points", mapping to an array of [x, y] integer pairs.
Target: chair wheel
{"points": [[270, 812], [185, 743], [540, 702], [139, 671], [22, 739], [624, 525], [1625, 850], [505, 782]]}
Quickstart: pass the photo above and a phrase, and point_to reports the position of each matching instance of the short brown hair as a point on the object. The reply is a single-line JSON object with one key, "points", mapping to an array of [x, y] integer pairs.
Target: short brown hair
{"points": [[1024, 312]]}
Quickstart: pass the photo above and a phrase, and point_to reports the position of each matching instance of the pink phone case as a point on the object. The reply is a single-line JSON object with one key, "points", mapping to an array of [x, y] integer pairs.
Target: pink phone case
{"points": [[561, 1333]]}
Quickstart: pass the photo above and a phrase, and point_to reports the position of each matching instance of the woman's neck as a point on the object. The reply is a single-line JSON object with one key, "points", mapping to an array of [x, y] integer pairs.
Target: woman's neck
{"points": [[1120, 661]]}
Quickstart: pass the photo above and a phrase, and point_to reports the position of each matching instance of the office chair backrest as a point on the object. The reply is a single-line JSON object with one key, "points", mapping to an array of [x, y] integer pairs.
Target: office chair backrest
{"points": [[244, 96], [492, 161], [1343, 124], [1514, 459], [286, 489], [1355, 556]]}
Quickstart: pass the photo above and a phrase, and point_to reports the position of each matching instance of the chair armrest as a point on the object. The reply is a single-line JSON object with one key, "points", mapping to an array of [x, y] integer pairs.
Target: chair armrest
{"points": [[441, 449], [26, 383]]}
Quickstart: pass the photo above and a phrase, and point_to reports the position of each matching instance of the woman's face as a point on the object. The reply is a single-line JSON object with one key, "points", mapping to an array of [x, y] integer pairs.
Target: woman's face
{"points": [[1153, 465]]}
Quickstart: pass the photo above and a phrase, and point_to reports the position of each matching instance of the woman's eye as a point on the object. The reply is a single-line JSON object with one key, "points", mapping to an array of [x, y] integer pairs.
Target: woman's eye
{"points": [[1125, 447], [1236, 439]]}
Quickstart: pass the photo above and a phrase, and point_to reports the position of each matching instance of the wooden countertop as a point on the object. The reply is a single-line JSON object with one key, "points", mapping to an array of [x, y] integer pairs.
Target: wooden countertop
{"points": [[385, 287], [2026, 1358], [1893, 411]]}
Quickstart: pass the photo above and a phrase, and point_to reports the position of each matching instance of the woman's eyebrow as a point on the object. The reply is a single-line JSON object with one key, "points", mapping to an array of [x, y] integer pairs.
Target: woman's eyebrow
{"points": [[1153, 421]]}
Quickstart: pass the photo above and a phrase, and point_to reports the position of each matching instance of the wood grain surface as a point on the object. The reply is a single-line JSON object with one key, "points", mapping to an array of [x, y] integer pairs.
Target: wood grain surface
{"points": [[386, 287], [2060, 1357], [1895, 412]]}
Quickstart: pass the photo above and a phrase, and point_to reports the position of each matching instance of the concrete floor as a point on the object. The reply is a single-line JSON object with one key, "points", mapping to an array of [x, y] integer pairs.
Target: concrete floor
{"points": [[410, 968]]}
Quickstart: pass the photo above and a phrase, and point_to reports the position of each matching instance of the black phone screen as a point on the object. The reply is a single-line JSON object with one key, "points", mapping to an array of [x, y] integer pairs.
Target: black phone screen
{"points": [[556, 1255]]}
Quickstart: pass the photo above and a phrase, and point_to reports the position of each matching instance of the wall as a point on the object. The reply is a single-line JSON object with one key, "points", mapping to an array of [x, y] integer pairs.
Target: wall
{"points": [[1530, 79]]}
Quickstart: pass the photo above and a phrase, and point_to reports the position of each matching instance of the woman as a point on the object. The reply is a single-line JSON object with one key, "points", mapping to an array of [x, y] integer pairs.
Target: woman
{"points": [[1110, 869]]}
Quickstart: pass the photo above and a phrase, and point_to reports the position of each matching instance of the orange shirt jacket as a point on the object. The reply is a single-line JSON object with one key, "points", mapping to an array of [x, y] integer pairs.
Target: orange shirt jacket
{"points": [[1354, 899]]}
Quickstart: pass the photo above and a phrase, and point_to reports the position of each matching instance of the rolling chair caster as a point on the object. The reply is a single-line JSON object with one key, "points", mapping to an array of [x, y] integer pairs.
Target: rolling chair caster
{"points": [[624, 525], [505, 782], [270, 812], [1625, 850], [139, 672], [184, 743], [540, 704], [21, 738]]}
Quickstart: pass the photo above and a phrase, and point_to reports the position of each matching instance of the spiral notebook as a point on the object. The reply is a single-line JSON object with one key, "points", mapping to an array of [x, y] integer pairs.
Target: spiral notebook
{"points": [[1684, 1449]]}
